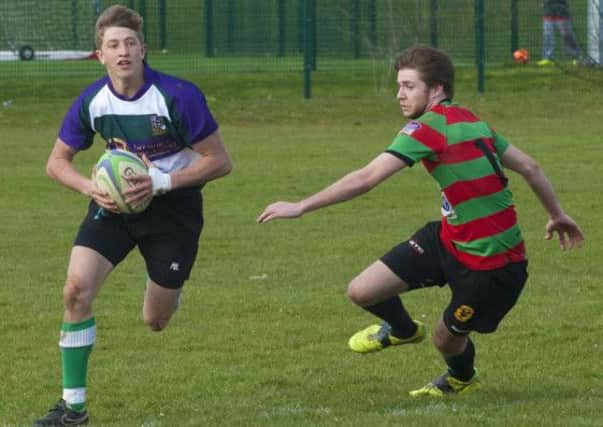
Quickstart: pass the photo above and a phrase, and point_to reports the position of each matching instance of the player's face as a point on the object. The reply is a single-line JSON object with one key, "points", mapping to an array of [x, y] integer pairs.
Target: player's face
{"points": [[122, 53], [414, 96]]}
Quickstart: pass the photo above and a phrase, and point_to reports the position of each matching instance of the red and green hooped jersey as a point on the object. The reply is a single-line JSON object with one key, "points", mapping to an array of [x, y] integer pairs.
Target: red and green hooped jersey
{"points": [[462, 153]]}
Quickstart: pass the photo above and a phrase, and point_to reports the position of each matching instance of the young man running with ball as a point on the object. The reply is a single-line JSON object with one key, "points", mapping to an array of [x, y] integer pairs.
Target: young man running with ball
{"points": [[167, 122]]}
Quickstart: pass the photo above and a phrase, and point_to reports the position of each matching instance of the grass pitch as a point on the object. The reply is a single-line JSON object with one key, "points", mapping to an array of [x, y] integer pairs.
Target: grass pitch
{"points": [[261, 336]]}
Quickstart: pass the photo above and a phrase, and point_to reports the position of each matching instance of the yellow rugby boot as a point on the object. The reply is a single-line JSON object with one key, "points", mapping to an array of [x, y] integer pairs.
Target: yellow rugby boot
{"points": [[378, 337], [446, 385]]}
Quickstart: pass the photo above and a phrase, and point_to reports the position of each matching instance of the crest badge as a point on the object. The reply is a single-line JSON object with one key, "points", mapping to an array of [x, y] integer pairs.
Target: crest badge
{"points": [[410, 128], [158, 126], [463, 313]]}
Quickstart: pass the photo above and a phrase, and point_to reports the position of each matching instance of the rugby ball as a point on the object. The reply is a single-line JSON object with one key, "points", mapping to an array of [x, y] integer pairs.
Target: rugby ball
{"points": [[112, 170]]}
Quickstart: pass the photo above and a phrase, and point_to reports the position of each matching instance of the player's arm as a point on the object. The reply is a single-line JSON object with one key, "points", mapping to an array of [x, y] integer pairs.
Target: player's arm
{"points": [[60, 168], [350, 186], [568, 231], [213, 163]]}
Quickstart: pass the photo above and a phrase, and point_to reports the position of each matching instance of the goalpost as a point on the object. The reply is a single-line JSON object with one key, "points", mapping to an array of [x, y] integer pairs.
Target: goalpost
{"points": [[595, 32], [51, 30]]}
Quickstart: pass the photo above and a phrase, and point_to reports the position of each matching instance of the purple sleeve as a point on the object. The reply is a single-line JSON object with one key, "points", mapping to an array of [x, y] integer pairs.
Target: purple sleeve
{"points": [[194, 120], [76, 129]]}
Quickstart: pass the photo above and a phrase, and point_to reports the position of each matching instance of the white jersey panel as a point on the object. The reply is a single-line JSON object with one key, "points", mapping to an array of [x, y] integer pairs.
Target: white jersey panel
{"points": [[177, 161], [106, 103]]}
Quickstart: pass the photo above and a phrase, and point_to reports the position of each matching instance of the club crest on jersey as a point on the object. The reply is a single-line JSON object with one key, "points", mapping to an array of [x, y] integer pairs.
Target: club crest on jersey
{"points": [[464, 313], [410, 128], [158, 126], [447, 209]]}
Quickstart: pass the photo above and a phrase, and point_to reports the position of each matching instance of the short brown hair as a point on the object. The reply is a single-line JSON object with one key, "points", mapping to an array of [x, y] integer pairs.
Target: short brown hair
{"points": [[118, 16], [434, 66]]}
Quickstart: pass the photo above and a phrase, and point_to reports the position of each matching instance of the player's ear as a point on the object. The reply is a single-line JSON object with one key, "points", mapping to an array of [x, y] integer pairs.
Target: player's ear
{"points": [[99, 55], [437, 91]]}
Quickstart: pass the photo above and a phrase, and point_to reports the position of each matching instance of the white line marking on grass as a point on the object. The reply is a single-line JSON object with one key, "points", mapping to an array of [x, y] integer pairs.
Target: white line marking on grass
{"points": [[285, 411]]}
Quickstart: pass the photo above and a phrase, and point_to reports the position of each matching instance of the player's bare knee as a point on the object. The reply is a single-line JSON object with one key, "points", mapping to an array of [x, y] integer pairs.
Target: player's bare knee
{"points": [[155, 323], [156, 326], [358, 294], [74, 294]]}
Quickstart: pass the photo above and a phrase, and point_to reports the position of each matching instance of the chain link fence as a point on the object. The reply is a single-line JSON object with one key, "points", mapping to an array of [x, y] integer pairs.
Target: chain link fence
{"points": [[56, 37]]}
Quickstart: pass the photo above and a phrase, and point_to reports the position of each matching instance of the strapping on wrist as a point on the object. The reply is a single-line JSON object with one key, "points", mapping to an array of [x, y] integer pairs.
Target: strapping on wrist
{"points": [[162, 182]]}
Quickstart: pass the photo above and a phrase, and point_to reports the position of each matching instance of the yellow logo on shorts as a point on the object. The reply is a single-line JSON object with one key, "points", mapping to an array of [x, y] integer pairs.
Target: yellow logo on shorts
{"points": [[464, 313]]}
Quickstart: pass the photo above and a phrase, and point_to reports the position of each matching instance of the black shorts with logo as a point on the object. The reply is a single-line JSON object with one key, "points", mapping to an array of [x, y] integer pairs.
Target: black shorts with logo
{"points": [[480, 299], [166, 233]]}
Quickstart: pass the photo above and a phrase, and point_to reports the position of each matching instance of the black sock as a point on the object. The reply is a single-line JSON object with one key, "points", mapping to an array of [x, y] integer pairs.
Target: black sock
{"points": [[393, 312], [461, 365]]}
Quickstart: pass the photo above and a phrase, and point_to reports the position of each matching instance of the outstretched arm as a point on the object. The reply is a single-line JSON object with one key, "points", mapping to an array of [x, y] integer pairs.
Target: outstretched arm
{"points": [[559, 222], [350, 186]]}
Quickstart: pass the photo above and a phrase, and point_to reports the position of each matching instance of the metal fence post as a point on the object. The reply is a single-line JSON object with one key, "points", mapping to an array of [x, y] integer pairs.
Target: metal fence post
{"points": [[74, 34], [313, 37], [162, 25], [301, 4], [372, 16], [433, 23], [230, 26], [308, 66], [143, 12], [480, 51], [281, 14], [514, 26], [209, 28], [355, 28]]}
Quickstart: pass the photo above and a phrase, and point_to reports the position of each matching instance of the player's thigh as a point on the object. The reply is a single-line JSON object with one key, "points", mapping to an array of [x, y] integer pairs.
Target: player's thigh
{"points": [[418, 260], [106, 233], [86, 272], [481, 299], [170, 256], [376, 283], [168, 236]]}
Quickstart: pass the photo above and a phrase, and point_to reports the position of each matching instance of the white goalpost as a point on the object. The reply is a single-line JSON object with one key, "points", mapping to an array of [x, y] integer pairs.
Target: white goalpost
{"points": [[595, 32], [48, 30]]}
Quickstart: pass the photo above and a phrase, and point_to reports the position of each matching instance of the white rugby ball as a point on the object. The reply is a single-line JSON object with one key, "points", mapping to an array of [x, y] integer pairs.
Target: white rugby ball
{"points": [[112, 170]]}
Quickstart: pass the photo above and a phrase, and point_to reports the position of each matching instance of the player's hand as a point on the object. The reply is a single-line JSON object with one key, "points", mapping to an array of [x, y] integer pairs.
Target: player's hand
{"points": [[161, 182], [281, 210], [100, 197], [140, 189], [568, 231]]}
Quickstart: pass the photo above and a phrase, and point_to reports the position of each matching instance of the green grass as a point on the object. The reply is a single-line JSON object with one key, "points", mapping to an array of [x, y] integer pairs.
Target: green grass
{"points": [[261, 337]]}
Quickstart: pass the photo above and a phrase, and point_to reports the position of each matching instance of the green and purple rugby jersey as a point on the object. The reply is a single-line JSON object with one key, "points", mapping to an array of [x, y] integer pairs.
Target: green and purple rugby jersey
{"points": [[163, 120], [479, 222]]}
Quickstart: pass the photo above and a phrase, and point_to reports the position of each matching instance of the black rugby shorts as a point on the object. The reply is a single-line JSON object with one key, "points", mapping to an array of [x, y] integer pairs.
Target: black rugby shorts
{"points": [[166, 233], [480, 299]]}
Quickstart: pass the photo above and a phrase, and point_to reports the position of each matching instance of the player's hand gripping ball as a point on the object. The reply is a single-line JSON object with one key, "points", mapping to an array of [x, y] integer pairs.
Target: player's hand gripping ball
{"points": [[112, 171], [521, 56]]}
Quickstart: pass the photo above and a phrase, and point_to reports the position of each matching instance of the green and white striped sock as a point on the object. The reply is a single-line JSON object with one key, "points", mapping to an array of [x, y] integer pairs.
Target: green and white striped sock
{"points": [[76, 344]]}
